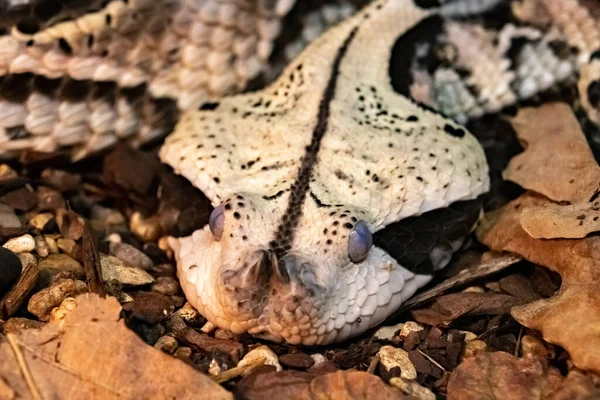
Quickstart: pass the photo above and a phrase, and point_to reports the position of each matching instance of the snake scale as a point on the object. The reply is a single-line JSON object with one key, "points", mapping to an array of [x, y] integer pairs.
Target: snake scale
{"points": [[322, 179]]}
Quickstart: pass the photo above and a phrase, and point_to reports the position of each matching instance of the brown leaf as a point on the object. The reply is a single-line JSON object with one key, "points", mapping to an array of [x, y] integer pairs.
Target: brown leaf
{"points": [[502, 376], [561, 221], [349, 384], [447, 308], [578, 385], [95, 355], [557, 161], [131, 170], [559, 164], [571, 318]]}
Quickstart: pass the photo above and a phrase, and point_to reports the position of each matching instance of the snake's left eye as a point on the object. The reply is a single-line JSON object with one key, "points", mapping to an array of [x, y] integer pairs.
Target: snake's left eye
{"points": [[216, 222], [359, 242]]}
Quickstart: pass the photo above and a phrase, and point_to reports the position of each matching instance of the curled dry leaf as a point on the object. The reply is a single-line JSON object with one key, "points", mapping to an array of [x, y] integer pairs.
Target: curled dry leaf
{"points": [[447, 308], [349, 384], [571, 318], [558, 163], [94, 355], [501, 375]]}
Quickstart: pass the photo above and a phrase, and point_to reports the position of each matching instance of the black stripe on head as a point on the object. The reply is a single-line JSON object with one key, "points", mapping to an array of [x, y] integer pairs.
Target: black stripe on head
{"points": [[285, 232], [404, 52]]}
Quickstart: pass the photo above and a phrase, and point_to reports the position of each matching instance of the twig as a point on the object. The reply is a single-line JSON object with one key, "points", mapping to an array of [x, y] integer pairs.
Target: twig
{"points": [[373, 364], [91, 263], [519, 341], [427, 356], [237, 371], [17, 295], [14, 345]]}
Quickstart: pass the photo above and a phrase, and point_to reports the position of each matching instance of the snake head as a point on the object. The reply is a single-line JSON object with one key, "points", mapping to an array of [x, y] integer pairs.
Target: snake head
{"points": [[330, 283]]}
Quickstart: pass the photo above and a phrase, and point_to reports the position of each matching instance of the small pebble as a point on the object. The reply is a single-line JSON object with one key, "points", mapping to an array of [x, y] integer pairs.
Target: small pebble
{"points": [[53, 246], [152, 307], [469, 336], [391, 357], [49, 199], [66, 245], [28, 260], [61, 180], [41, 246], [297, 360], [23, 199], [474, 289], [319, 359], [42, 221], [256, 354], [387, 332], [166, 344], [410, 326], [7, 173], [474, 347], [56, 263], [227, 335], [146, 229], [114, 237], [58, 314], [21, 244], [10, 270], [412, 389], [163, 245], [530, 345], [130, 255], [208, 327], [8, 218], [125, 274], [42, 302], [183, 353], [166, 285], [214, 368], [322, 365], [190, 315]]}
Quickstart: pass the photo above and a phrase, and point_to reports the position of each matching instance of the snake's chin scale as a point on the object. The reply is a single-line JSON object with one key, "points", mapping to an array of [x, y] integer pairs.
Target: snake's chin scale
{"points": [[315, 305]]}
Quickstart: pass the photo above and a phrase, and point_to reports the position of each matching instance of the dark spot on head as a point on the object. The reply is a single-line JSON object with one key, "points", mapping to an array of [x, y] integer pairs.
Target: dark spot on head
{"points": [[236, 215], [217, 180], [412, 118], [456, 132], [209, 105]]}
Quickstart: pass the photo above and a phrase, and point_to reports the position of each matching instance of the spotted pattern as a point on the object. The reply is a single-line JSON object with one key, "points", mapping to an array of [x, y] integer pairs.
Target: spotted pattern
{"points": [[376, 157]]}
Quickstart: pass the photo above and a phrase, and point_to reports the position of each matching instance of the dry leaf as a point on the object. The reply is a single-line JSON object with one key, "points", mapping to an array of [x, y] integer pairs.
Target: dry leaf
{"points": [[502, 376], [447, 308], [561, 221], [578, 385], [559, 164], [557, 161], [95, 355], [571, 318], [349, 384]]}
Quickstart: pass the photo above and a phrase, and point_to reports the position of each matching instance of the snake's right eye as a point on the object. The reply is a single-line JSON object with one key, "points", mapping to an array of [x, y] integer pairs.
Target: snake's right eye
{"points": [[216, 222]]}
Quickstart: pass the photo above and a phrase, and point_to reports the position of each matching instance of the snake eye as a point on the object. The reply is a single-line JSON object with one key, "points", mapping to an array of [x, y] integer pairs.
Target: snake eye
{"points": [[359, 242], [216, 222]]}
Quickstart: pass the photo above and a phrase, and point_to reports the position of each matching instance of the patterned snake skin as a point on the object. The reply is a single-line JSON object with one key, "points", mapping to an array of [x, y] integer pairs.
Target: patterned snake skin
{"points": [[77, 76]]}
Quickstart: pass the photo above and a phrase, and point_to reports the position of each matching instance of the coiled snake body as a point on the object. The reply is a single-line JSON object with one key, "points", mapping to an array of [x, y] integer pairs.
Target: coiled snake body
{"points": [[318, 179]]}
